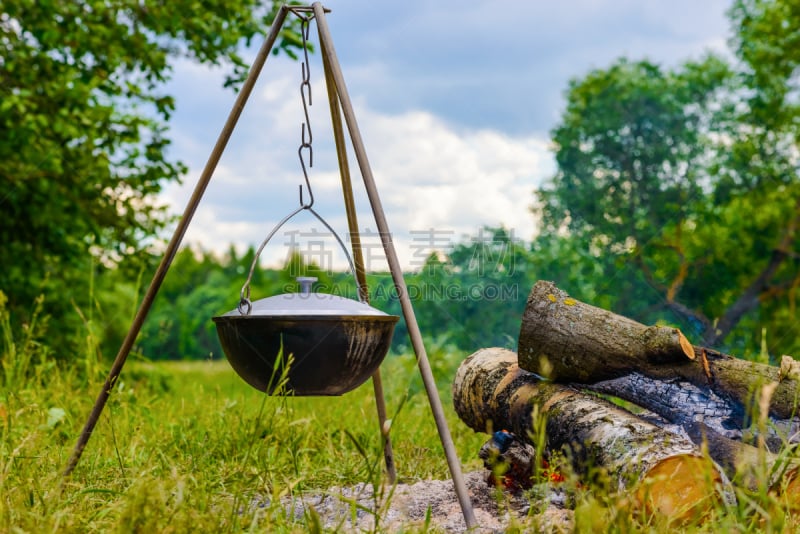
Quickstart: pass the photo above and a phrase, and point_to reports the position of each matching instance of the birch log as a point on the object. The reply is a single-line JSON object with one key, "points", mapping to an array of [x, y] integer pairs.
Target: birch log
{"points": [[666, 472], [570, 341]]}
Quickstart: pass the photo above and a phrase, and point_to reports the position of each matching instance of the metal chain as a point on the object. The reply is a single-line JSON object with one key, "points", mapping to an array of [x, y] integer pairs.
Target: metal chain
{"points": [[305, 87], [245, 304]]}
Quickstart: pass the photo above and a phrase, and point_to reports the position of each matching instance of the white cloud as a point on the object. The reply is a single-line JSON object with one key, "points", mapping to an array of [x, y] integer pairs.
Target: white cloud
{"points": [[436, 176], [430, 175], [452, 104]]}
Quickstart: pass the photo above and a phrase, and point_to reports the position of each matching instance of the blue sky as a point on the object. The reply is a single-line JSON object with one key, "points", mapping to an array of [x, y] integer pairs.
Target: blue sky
{"points": [[454, 100]]}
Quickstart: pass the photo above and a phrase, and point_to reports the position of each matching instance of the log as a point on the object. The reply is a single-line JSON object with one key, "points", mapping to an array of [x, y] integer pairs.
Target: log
{"points": [[586, 344], [682, 403], [666, 472], [678, 401], [711, 422], [567, 340], [748, 466]]}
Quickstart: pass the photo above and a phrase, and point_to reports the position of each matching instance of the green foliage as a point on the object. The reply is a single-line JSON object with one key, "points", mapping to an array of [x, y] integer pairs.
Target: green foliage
{"points": [[478, 291], [628, 150], [683, 185], [767, 41], [83, 136], [24, 353], [200, 286]]}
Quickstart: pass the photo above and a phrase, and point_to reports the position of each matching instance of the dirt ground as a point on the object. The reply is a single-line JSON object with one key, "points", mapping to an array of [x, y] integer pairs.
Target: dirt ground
{"points": [[431, 505]]}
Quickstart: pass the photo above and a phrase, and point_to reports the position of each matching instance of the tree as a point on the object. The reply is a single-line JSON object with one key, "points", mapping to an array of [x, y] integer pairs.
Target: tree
{"points": [[201, 285], [762, 161], [473, 294], [83, 136], [684, 183]]}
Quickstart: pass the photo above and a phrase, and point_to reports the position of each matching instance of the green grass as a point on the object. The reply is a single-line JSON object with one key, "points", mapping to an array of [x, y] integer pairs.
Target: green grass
{"points": [[189, 447]]}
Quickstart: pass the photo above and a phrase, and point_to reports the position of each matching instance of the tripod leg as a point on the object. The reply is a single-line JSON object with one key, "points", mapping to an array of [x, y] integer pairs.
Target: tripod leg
{"points": [[358, 257], [172, 248], [397, 273]]}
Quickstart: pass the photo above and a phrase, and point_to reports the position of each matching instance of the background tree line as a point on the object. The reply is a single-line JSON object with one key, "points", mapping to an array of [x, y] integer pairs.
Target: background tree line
{"points": [[676, 198], [684, 182]]}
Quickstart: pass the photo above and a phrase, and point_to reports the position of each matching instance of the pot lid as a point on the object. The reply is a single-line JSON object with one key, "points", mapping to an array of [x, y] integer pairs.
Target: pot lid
{"points": [[308, 303]]}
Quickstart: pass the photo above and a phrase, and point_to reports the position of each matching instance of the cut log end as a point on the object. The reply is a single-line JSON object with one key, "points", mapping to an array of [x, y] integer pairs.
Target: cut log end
{"points": [[684, 488], [789, 490], [665, 472], [688, 348], [665, 345]]}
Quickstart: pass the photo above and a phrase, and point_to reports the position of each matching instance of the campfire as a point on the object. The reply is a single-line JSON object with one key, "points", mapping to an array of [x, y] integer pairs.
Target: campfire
{"points": [[700, 422]]}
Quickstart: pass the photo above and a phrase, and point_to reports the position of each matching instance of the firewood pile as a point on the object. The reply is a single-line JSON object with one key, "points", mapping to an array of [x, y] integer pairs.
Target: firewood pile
{"points": [[700, 422]]}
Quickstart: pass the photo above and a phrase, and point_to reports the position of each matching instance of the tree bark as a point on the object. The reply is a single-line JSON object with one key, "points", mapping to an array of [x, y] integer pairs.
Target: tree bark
{"points": [[666, 472], [567, 340], [750, 466], [682, 403], [570, 341]]}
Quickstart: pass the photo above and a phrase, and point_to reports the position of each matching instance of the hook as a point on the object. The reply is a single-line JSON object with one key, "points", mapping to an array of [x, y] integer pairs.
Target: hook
{"points": [[310, 203], [303, 205]]}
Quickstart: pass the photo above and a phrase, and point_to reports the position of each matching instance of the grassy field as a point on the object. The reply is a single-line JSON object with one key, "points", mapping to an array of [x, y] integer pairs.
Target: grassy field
{"points": [[188, 447]]}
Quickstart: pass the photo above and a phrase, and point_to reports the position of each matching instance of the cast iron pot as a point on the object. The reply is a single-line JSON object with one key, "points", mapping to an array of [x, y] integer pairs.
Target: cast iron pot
{"points": [[336, 343]]}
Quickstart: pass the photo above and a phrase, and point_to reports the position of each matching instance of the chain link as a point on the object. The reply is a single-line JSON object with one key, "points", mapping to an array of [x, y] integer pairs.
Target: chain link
{"points": [[305, 94], [245, 306]]}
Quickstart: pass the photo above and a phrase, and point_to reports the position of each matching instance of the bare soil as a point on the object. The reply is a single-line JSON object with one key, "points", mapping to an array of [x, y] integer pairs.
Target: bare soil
{"points": [[432, 506]]}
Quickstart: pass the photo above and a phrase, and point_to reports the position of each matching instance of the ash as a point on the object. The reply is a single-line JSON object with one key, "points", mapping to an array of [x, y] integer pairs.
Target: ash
{"points": [[430, 504]]}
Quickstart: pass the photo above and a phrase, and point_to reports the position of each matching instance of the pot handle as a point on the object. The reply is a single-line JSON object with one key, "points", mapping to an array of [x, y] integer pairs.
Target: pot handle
{"points": [[245, 306]]}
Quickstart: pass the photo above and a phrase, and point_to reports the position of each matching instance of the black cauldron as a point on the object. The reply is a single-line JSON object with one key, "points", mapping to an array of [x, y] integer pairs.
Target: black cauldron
{"points": [[335, 343]]}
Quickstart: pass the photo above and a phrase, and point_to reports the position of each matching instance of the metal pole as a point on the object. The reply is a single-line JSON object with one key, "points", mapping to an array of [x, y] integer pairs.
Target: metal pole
{"points": [[397, 273], [358, 257], [177, 237]]}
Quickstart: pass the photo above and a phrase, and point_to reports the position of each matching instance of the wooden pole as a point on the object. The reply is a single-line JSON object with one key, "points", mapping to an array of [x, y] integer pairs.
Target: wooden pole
{"points": [[358, 257], [397, 273], [175, 241]]}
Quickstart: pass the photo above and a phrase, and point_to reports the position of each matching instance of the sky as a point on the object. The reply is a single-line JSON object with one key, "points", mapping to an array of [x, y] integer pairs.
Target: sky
{"points": [[454, 101]]}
